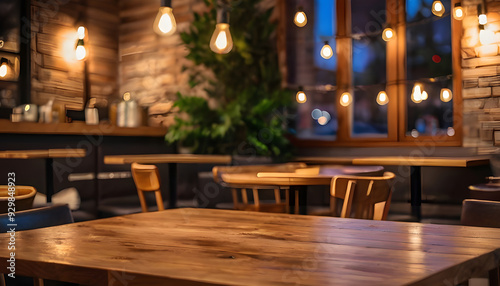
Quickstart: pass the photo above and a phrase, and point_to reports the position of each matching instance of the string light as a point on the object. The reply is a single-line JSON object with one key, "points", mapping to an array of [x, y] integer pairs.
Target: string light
{"points": [[458, 11], [486, 36], [345, 99], [424, 95], [80, 51], [382, 98], [438, 8], [164, 24], [221, 41], [3, 67], [300, 18], [388, 34], [416, 94], [446, 95], [301, 96], [326, 51]]}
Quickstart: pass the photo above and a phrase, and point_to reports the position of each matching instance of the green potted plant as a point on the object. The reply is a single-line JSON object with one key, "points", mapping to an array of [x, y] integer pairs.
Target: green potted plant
{"points": [[242, 113]]}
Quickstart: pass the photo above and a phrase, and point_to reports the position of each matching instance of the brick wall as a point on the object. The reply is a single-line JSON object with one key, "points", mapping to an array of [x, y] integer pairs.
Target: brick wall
{"points": [[481, 80]]}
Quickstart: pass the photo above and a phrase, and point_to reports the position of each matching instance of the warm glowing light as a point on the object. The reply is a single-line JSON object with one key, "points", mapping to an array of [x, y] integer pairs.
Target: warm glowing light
{"points": [[3, 69], [80, 52], [126, 96], [27, 107], [301, 97], [437, 8], [345, 99], [446, 95], [388, 34], [450, 131], [221, 41], [414, 133], [322, 120], [424, 95], [486, 36], [326, 51], [164, 24], [458, 12], [81, 32], [300, 18], [382, 98], [483, 19], [416, 94]]}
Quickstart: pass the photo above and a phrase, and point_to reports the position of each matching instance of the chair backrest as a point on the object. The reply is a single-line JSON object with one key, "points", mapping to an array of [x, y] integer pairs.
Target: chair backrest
{"points": [[368, 197], [147, 179], [38, 218], [480, 213], [287, 167], [24, 196]]}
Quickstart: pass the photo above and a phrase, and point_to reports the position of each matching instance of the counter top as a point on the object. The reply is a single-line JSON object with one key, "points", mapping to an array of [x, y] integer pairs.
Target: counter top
{"points": [[78, 128]]}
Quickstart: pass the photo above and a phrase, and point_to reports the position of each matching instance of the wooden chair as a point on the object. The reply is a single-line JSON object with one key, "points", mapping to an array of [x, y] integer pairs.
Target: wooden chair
{"points": [[483, 213], [33, 219], [364, 197], [24, 196], [257, 205], [147, 179]]}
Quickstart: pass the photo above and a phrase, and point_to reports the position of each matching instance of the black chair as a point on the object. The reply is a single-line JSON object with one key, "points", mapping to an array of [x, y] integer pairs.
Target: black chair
{"points": [[485, 214], [32, 219]]}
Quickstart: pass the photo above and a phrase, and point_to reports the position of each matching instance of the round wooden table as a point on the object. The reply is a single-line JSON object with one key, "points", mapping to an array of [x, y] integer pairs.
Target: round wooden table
{"points": [[299, 179]]}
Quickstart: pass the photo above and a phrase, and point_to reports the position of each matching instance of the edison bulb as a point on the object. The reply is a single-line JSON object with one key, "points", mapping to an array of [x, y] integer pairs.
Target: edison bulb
{"points": [[387, 34], [81, 32], [437, 8], [3, 69], [326, 51], [322, 120], [300, 18], [345, 99], [382, 98], [301, 97], [446, 95], [80, 52], [416, 95], [424, 95], [483, 20], [221, 41], [458, 12], [164, 24], [486, 37]]}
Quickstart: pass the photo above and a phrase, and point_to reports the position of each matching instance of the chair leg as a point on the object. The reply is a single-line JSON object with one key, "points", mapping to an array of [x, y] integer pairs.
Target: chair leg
{"points": [[277, 196], [37, 282], [256, 198], [244, 197], [346, 208], [235, 198], [143, 201], [159, 200], [287, 200]]}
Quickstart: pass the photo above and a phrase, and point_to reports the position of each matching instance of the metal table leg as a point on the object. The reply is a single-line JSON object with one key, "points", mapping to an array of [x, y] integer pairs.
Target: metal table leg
{"points": [[172, 185], [416, 191], [49, 181]]}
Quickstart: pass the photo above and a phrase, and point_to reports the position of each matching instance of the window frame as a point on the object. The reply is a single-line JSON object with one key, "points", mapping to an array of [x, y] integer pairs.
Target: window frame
{"points": [[395, 88]]}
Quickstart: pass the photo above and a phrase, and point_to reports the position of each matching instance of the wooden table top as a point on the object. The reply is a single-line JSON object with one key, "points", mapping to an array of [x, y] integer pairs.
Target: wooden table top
{"points": [[167, 158], [220, 247], [400, 161], [45, 153], [320, 175]]}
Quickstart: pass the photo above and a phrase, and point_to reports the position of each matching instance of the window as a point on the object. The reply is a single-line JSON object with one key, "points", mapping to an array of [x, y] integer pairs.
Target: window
{"points": [[413, 73]]}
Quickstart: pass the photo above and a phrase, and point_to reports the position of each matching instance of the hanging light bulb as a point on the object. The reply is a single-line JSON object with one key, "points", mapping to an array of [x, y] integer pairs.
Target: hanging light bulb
{"points": [[446, 95], [382, 98], [416, 94], [486, 36], [3, 67], [80, 51], [326, 51], [458, 11], [482, 18], [345, 99], [424, 95], [301, 96], [437, 8], [300, 18], [388, 34], [164, 24], [221, 41]]}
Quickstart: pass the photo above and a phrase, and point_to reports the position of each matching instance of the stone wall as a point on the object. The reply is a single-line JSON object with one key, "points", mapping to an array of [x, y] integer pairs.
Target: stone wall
{"points": [[481, 80], [56, 74]]}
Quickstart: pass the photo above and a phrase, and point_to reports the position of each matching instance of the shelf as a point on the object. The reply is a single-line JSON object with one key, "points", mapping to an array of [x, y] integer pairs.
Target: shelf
{"points": [[78, 128]]}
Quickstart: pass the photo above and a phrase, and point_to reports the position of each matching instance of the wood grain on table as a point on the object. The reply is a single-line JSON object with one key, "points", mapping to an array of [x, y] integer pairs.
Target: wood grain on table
{"points": [[42, 153], [399, 160], [220, 247], [167, 158]]}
